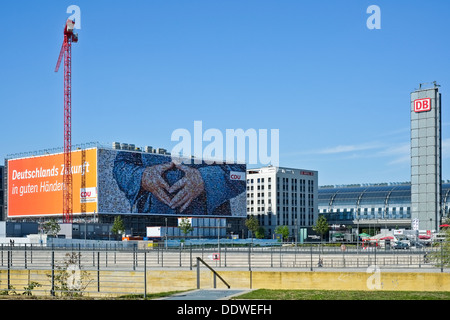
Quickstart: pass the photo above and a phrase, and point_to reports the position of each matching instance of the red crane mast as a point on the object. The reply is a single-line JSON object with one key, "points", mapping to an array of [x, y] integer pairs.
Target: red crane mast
{"points": [[66, 52]]}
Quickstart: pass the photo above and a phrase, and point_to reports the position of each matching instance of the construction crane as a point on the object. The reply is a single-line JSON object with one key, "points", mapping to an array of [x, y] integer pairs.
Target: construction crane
{"points": [[66, 52]]}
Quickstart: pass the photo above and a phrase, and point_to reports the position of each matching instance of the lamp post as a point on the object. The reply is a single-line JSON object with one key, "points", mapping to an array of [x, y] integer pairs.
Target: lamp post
{"points": [[165, 233]]}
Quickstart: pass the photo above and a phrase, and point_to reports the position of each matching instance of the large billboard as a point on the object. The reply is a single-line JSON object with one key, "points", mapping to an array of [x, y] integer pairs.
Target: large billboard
{"points": [[148, 183], [35, 184]]}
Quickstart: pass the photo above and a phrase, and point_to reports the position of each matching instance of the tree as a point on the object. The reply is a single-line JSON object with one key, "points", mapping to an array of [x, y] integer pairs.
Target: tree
{"points": [[68, 278], [185, 226], [252, 224], [441, 256], [260, 233], [118, 226], [321, 226], [283, 230], [51, 227]]}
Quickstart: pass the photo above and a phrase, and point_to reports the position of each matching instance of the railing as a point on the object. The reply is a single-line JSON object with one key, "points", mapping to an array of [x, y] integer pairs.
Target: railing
{"points": [[34, 257], [213, 271], [106, 270]]}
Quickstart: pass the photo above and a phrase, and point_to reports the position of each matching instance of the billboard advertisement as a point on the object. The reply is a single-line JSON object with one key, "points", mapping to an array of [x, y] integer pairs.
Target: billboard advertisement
{"points": [[35, 184], [149, 183]]}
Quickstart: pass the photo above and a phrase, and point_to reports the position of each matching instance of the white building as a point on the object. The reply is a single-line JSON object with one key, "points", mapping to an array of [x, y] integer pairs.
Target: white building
{"points": [[282, 197]]}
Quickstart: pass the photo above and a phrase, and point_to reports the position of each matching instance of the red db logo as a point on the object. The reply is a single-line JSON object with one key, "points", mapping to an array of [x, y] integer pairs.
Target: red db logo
{"points": [[421, 105]]}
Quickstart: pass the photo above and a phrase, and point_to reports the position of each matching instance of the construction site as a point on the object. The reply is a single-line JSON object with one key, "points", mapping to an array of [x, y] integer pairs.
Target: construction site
{"points": [[85, 187]]}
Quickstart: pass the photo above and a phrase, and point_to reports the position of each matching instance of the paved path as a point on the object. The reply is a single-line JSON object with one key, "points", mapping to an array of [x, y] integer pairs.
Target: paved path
{"points": [[210, 294]]}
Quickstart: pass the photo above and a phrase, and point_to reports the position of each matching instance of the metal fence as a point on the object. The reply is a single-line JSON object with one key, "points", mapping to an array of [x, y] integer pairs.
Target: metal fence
{"points": [[247, 257], [106, 270]]}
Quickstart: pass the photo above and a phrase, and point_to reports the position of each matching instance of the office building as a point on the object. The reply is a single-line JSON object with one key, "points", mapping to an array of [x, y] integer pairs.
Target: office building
{"points": [[280, 196]]}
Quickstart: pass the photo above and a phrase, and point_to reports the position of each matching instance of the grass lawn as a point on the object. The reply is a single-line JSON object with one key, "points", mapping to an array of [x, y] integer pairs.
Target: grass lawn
{"points": [[265, 294]]}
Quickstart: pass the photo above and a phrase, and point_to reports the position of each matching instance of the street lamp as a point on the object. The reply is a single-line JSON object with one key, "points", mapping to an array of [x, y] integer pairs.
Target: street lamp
{"points": [[165, 233]]}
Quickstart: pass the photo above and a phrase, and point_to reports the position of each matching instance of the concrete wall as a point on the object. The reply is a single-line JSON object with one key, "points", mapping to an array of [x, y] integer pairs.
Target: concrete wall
{"points": [[114, 283], [396, 281]]}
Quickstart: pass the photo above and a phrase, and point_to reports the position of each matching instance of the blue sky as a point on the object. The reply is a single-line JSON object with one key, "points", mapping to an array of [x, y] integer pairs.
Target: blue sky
{"points": [[337, 91]]}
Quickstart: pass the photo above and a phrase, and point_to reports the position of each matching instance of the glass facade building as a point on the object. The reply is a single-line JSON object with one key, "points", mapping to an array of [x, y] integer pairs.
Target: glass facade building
{"points": [[383, 206]]}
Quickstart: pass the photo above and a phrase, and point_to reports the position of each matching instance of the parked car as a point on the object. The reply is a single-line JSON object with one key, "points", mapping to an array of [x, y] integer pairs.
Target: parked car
{"points": [[417, 245], [401, 245]]}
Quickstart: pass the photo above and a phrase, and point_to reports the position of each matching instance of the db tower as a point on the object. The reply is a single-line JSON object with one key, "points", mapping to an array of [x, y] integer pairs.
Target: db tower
{"points": [[426, 158]]}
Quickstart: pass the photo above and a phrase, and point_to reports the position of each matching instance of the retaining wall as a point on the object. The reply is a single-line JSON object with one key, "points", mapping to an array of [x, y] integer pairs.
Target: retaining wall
{"points": [[114, 283]]}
